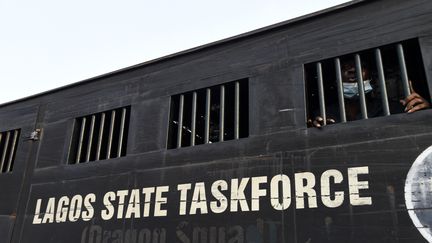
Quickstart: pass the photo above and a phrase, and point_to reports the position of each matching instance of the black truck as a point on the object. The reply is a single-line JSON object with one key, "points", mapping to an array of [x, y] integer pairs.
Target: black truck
{"points": [[217, 144]]}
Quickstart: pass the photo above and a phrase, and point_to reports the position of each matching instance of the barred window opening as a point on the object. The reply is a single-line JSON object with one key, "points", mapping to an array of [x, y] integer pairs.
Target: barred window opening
{"points": [[215, 114], [100, 136], [8, 147], [337, 91]]}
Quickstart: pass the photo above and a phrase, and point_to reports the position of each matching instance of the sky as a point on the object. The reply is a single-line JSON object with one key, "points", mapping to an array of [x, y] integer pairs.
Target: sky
{"points": [[46, 44]]}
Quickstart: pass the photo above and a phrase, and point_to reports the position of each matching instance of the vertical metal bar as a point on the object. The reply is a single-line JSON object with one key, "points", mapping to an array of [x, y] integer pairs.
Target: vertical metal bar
{"points": [[222, 114], [13, 147], [90, 138], [207, 117], [6, 145], [100, 137], [321, 93], [80, 140], [1, 136], [111, 134], [381, 78], [359, 75], [193, 118], [403, 69], [121, 132], [237, 111], [340, 90], [180, 122]]}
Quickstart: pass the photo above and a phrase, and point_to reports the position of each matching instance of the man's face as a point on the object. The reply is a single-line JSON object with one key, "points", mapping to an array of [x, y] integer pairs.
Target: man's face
{"points": [[349, 74]]}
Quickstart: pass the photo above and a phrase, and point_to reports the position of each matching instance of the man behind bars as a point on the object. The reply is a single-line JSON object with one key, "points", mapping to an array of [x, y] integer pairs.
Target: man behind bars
{"points": [[409, 104]]}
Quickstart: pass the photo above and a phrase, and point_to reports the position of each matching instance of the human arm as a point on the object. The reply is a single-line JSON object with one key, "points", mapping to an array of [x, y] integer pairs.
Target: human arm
{"points": [[319, 122], [414, 102]]}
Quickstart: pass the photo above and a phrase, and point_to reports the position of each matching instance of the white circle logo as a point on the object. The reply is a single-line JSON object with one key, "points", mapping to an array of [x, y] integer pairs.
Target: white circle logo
{"points": [[418, 193]]}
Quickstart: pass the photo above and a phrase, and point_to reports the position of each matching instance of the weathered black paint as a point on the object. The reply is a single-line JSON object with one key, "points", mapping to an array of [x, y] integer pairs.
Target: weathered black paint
{"points": [[279, 142]]}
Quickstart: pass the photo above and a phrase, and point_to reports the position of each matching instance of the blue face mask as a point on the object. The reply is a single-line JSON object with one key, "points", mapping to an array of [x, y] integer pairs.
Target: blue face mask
{"points": [[351, 89]]}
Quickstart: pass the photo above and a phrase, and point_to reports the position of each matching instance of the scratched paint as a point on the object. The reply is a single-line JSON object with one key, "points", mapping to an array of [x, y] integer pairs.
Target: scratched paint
{"points": [[418, 193]]}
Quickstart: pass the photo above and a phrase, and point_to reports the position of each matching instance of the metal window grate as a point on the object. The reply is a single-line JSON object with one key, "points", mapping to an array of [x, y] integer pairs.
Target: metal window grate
{"points": [[386, 70], [100, 136], [8, 147], [214, 114]]}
